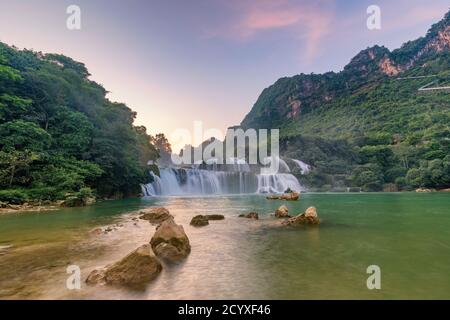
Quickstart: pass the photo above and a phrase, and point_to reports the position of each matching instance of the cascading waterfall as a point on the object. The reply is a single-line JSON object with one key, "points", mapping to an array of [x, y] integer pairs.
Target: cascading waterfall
{"points": [[304, 168], [213, 179]]}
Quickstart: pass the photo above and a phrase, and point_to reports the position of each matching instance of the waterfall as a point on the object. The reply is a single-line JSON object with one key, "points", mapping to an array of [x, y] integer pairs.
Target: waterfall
{"points": [[304, 168], [236, 177], [198, 181]]}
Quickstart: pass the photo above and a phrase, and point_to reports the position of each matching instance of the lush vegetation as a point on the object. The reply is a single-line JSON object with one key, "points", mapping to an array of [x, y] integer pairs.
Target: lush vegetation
{"points": [[363, 127], [60, 137]]}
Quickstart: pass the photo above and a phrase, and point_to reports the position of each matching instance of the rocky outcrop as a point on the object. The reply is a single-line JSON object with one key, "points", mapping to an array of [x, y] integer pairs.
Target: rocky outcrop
{"points": [[199, 221], [155, 215], [424, 190], [137, 268], [308, 218], [251, 215], [170, 242], [291, 196], [282, 212]]}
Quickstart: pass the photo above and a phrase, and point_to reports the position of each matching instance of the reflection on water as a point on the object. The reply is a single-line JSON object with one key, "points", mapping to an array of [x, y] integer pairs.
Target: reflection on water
{"points": [[407, 235]]}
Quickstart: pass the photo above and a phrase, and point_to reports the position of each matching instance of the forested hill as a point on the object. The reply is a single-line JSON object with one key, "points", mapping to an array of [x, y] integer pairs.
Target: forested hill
{"points": [[366, 126], [60, 136]]}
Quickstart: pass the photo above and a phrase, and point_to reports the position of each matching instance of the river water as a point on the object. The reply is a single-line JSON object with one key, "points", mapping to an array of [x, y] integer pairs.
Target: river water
{"points": [[406, 234]]}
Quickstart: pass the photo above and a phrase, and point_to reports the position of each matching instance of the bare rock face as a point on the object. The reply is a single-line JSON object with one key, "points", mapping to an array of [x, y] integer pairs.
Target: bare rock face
{"points": [[155, 215], [199, 221], [308, 218], [251, 215], [137, 268], [170, 242], [282, 212]]}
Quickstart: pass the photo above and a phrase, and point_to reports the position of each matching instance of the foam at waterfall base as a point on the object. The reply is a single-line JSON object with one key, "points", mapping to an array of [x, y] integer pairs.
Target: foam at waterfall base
{"points": [[192, 181]]}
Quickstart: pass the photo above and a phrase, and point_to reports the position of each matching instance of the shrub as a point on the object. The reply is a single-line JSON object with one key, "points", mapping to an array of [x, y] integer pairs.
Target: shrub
{"points": [[13, 196]]}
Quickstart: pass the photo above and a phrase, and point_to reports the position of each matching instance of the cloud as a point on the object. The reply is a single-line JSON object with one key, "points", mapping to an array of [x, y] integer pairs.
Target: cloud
{"points": [[307, 22]]}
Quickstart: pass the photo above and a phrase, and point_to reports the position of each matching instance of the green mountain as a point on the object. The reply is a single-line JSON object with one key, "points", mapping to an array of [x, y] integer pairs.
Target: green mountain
{"points": [[366, 126], [60, 137]]}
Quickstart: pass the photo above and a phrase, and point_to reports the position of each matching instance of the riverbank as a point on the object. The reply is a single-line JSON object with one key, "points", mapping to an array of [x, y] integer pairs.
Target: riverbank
{"points": [[20, 208]]}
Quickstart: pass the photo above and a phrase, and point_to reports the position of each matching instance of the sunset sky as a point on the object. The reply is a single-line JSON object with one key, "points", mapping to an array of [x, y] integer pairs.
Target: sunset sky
{"points": [[176, 61]]}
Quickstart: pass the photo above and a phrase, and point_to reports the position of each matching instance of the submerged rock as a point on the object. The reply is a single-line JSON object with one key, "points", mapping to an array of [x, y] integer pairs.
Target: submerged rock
{"points": [[203, 220], [4, 249], [155, 215], [215, 216], [199, 221], [251, 215], [96, 231], [308, 218], [137, 268], [170, 242], [282, 212]]}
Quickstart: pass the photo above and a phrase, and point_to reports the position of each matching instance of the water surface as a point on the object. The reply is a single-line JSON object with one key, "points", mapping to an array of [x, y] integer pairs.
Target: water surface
{"points": [[406, 234]]}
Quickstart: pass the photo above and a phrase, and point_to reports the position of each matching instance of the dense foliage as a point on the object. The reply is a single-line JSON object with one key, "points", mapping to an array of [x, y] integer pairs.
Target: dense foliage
{"points": [[364, 127], [60, 137]]}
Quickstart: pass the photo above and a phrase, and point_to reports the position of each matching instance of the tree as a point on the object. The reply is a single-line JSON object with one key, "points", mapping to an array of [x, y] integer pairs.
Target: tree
{"points": [[12, 162], [164, 148], [23, 135]]}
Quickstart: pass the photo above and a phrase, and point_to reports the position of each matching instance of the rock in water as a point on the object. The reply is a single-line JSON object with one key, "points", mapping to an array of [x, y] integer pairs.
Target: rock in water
{"points": [[311, 212], [290, 196], [282, 212], [170, 242], [251, 215], [309, 217], [215, 217], [199, 221], [155, 215], [137, 268]]}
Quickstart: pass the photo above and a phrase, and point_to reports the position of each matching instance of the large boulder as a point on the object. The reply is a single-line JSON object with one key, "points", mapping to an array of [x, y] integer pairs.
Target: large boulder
{"points": [[199, 221], [251, 215], [170, 242], [137, 268], [155, 215], [308, 218], [282, 212]]}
